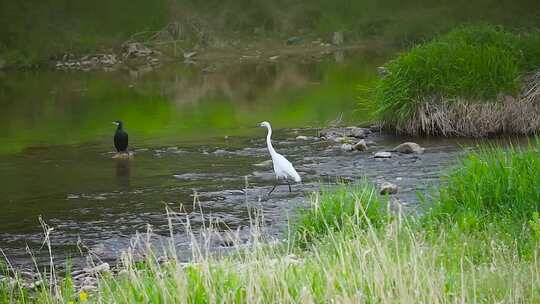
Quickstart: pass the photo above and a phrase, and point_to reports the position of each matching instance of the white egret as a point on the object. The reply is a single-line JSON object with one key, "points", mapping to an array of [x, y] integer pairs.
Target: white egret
{"points": [[282, 167]]}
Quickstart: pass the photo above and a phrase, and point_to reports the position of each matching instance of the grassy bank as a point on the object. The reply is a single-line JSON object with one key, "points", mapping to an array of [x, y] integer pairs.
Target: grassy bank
{"points": [[473, 81], [477, 241], [35, 31]]}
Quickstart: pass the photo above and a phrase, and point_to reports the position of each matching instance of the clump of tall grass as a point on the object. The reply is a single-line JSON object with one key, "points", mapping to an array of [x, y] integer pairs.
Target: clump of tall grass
{"points": [[336, 209], [496, 191], [426, 87]]}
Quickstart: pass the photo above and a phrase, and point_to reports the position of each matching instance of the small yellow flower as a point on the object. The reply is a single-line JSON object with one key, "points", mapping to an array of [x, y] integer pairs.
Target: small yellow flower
{"points": [[83, 296]]}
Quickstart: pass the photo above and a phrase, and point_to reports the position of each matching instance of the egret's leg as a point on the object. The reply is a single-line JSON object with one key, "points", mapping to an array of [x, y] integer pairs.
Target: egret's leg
{"points": [[275, 185], [289, 183]]}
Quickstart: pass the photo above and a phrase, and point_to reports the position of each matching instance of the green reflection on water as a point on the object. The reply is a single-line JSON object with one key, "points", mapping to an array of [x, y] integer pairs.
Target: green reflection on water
{"points": [[176, 102]]}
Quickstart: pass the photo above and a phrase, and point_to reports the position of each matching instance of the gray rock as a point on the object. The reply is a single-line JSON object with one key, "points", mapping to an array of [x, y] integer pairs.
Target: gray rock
{"points": [[388, 188], [383, 71], [383, 154], [409, 147], [336, 139], [29, 275], [355, 132], [294, 40], [347, 147], [98, 269], [361, 145]]}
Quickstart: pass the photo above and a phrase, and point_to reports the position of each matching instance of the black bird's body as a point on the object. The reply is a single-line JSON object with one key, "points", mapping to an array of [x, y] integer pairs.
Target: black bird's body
{"points": [[120, 138]]}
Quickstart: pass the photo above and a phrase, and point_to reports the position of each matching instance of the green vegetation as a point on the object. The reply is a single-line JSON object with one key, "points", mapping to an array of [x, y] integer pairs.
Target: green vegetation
{"points": [[466, 248], [496, 192], [32, 32], [425, 88], [338, 209]]}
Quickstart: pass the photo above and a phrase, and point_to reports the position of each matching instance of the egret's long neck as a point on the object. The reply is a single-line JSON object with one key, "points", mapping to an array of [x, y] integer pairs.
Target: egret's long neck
{"points": [[269, 141]]}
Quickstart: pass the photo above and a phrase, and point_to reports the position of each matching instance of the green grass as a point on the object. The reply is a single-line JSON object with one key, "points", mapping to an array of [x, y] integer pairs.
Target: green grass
{"points": [[475, 63], [338, 209], [494, 191], [459, 250]]}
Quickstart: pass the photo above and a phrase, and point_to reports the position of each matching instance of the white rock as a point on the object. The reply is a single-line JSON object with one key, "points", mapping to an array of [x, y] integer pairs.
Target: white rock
{"points": [[383, 154], [302, 137], [347, 147]]}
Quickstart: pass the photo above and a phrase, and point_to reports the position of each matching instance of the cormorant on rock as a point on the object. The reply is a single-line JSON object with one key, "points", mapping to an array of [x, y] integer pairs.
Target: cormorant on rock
{"points": [[120, 138]]}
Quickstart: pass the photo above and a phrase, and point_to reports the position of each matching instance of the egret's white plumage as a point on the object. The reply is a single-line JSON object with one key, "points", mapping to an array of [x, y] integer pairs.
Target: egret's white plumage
{"points": [[282, 167]]}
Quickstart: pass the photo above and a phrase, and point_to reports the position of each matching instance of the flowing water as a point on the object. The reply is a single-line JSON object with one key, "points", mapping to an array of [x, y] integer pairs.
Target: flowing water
{"points": [[192, 132]]}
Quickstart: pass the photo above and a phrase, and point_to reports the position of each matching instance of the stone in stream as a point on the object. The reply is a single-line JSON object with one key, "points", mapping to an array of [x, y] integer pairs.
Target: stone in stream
{"points": [[302, 137], [388, 188], [332, 133], [408, 148], [383, 71], [347, 147], [294, 40], [383, 154], [98, 269], [361, 145]]}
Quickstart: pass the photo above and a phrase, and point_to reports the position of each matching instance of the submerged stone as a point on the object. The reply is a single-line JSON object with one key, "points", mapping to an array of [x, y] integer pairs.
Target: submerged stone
{"points": [[408, 148]]}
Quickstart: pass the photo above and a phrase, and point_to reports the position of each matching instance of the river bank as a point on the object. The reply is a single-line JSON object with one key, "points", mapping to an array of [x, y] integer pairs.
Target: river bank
{"points": [[35, 33]]}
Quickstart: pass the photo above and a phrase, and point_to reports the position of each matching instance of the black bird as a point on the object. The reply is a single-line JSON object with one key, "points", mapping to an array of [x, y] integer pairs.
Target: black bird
{"points": [[120, 137]]}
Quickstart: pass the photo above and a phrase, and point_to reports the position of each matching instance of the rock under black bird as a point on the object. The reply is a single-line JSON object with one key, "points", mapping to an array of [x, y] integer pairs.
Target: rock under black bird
{"points": [[120, 137]]}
